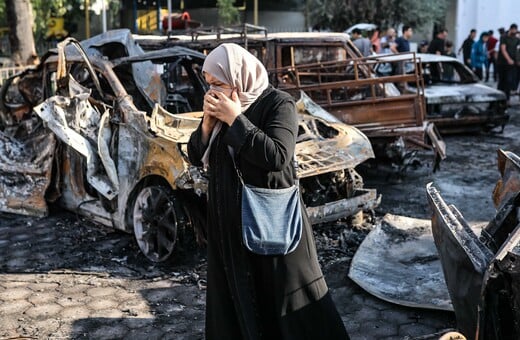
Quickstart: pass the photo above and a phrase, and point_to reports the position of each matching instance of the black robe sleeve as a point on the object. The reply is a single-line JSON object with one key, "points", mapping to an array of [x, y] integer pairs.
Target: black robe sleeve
{"points": [[272, 147], [196, 148]]}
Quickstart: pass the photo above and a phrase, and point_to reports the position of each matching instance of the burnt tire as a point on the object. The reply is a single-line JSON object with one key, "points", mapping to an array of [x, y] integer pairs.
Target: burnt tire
{"points": [[155, 219]]}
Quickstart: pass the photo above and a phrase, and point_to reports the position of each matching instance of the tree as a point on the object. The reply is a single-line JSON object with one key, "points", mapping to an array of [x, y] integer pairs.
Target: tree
{"points": [[338, 15], [228, 14], [19, 20]]}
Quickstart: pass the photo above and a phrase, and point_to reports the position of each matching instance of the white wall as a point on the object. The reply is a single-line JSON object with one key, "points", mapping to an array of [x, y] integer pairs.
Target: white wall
{"points": [[483, 15]]}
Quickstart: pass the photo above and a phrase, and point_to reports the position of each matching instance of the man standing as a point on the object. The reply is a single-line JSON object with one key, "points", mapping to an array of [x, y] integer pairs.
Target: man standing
{"points": [[402, 44], [466, 47], [437, 46], [388, 42], [363, 44], [492, 55], [507, 59]]}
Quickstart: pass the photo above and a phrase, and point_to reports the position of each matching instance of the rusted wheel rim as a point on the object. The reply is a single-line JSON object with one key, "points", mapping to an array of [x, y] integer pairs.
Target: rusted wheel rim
{"points": [[155, 223]]}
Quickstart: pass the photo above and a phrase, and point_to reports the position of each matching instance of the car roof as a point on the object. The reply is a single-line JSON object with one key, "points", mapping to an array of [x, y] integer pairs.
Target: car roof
{"points": [[424, 57]]}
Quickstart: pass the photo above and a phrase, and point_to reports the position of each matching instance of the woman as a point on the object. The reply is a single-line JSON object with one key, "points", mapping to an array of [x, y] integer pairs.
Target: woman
{"points": [[253, 296], [479, 55]]}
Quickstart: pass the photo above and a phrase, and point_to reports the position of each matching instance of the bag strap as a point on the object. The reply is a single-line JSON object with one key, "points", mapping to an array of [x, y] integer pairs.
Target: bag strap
{"points": [[239, 173]]}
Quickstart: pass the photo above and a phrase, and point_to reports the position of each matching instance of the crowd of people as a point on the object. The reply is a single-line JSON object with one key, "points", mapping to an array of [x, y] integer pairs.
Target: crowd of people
{"points": [[501, 54]]}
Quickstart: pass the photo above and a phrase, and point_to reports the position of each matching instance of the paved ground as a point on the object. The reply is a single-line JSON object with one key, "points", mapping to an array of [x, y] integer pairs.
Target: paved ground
{"points": [[89, 282], [62, 277]]}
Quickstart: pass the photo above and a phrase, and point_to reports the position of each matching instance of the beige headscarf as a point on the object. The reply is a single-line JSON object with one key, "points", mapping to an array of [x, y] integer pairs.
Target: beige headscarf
{"points": [[235, 66]]}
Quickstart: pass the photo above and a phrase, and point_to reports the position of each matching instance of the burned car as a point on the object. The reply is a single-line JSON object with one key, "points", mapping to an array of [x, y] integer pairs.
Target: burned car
{"points": [[481, 271], [100, 128], [455, 99], [330, 69]]}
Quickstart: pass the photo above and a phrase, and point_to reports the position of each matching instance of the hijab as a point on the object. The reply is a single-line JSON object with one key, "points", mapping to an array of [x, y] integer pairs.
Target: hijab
{"points": [[235, 66]]}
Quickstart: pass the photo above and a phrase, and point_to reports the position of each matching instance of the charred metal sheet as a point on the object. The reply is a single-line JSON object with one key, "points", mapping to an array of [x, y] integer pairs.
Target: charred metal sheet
{"points": [[72, 117], [25, 172], [363, 200], [324, 144], [499, 308], [398, 262], [464, 260], [174, 127]]}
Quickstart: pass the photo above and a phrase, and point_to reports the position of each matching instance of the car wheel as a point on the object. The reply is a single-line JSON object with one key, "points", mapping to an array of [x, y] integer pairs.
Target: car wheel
{"points": [[155, 222]]}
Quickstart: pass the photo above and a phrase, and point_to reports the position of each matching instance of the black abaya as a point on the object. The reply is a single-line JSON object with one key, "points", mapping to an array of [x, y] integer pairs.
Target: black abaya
{"points": [[252, 296]]}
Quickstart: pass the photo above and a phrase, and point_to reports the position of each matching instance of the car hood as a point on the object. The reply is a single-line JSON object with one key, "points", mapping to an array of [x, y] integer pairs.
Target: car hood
{"points": [[462, 93]]}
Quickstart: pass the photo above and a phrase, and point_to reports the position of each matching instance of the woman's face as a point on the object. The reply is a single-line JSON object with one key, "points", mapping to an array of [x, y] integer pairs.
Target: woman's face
{"points": [[216, 85]]}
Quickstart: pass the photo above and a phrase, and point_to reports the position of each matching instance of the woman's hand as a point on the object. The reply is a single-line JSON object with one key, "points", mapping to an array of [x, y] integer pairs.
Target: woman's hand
{"points": [[222, 107], [208, 121]]}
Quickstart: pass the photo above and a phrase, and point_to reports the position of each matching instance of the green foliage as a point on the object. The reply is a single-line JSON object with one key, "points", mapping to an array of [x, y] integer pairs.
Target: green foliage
{"points": [[3, 21], [338, 15], [228, 14], [70, 10]]}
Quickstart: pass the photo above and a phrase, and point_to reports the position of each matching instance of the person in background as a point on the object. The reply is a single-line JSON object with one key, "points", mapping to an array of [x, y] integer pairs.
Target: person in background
{"points": [[507, 61], [449, 49], [479, 55], [375, 40], [363, 44], [388, 42], [402, 44], [252, 296], [448, 72], [423, 46], [466, 47], [437, 45], [501, 32], [491, 55]]}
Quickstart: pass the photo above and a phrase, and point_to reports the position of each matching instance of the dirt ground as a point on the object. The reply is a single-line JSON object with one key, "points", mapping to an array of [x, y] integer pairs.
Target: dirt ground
{"points": [[64, 277]]}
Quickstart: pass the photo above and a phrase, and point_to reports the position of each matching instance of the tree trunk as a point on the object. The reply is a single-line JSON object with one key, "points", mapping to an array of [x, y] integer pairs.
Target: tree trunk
{"points": [[20, 21]]}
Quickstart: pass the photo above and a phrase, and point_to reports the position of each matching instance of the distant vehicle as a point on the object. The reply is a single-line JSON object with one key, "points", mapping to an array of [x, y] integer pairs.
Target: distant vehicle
{"points": [[362, 26], [455, 99]]}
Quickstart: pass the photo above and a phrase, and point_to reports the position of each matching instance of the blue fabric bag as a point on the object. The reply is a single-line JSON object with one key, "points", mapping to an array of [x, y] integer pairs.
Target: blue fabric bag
{"points": [[271, 218]]}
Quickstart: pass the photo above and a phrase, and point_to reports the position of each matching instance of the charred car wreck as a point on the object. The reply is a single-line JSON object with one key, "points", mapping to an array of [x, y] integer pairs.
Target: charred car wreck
{"points": [[330, 69], [100, 128], [482, 272]]}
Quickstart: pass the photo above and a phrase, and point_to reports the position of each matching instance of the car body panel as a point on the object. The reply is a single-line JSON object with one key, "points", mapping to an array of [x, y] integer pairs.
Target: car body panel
{"points": [[481, 272]]}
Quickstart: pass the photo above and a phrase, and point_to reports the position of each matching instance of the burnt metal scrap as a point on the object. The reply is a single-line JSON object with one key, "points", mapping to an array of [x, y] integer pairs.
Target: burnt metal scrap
{"points": [[482, 273], [398, 262], [100, 128]]}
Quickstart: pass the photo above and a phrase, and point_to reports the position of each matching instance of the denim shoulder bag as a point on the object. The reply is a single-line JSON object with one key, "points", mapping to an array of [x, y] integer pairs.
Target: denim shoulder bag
{"points": [[271, 218]]}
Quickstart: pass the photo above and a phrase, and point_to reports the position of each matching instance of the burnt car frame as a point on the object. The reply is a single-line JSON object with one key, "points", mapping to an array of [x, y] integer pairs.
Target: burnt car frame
{"points": [[332, 71], [71, 133], [481, 271], [455, 99]]}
